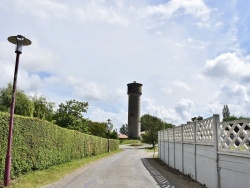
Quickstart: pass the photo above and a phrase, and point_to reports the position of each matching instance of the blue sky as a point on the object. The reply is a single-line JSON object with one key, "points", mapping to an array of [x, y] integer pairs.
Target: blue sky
{"points": [[192, 56]]}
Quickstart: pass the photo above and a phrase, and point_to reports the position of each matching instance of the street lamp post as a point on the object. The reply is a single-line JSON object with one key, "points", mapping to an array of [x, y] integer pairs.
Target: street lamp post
{"points": [[20, 41], [108, 129]]}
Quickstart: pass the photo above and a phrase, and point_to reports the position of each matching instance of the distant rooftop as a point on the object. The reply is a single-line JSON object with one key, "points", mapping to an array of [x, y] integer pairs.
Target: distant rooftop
{"points": [[122, 136]]}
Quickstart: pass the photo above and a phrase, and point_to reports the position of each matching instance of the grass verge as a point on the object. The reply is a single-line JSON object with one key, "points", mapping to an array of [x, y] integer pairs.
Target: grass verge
{"points": [[136, 144], [155, 150], [43, 177], [124, 142], [151, 149]]}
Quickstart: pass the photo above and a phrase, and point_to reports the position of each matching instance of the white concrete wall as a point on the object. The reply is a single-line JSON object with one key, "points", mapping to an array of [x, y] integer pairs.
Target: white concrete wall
{"points": [[178, 156], [171, 155], [165, 159], [206, 165], [161, 150], [234, 171], [188, 160], [207, 159]]}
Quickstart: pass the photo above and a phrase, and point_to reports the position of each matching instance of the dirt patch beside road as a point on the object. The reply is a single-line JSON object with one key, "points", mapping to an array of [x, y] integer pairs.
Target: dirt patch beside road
{"points": [[167, 176]]}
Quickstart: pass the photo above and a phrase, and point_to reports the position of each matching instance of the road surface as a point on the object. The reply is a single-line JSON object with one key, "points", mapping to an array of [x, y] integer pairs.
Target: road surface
{"points": [[132, 168], [125, 169]]}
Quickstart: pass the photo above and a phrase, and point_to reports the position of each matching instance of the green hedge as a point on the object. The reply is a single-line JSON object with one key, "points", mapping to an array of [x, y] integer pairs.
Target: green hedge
{"points": [[38, 144]]}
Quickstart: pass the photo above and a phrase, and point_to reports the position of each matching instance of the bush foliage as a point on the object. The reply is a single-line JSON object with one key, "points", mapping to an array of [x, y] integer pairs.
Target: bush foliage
{"points": [[39, 144]]}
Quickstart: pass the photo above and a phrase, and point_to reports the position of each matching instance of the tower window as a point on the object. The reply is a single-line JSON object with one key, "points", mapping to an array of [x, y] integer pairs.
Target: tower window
{"points": [[131, 114]]}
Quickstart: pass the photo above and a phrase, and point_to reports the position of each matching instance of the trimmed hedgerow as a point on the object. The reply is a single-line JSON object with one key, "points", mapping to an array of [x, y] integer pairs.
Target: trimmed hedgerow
{"points": [[39, 144]]}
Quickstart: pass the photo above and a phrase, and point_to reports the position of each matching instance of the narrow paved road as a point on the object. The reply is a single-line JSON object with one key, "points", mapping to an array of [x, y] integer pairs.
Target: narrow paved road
{"points": [[125, 169]]}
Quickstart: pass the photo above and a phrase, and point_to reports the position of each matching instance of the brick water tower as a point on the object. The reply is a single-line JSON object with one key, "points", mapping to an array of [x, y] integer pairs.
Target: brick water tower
{"points": [[134, 106]]}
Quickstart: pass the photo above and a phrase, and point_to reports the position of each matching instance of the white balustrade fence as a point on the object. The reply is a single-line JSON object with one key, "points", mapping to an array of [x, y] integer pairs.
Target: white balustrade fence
{"points": [[214, 153], [234, 136]]}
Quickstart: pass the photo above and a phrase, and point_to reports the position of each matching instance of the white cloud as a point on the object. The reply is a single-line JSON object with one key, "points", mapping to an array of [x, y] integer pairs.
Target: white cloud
{"points": [[214, 108], [202, 25], [232, 94], [166, 90], [181, 84], [101, 14], [182, 112], [7, 51], [99, 115], [231, 72], [121, 93], [236, 96], [184, 108], [7, 73], [90, 50], [85, 89], [25, 81], [227, 66], [196, 8], [49, 10], [170, 115], [90, 91], [192, 43], [29, 82], [219, 25], [36, 58], [45, 10], [158, 33]]}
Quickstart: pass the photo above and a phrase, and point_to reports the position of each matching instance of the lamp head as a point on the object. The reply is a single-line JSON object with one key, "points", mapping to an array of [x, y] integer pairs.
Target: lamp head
{"points": [[109, 120], [20, 41], [109, 125]]}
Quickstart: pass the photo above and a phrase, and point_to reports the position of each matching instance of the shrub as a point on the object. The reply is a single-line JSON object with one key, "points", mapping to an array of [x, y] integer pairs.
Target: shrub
{"points": [[39, 144]]}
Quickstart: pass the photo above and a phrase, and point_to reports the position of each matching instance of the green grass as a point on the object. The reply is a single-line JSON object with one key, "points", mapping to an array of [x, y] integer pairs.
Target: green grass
{"points": [[151, 149], [124, 142], [242, 148], [40, 178], [136, 144]]}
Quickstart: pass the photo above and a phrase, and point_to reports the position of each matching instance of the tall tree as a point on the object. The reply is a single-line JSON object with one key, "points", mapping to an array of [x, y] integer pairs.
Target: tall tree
{"points": [[113, 134], [124, 129], [225, 112], [152, 125], [231, 118], [70, 115], [98, 129], [42, 108], [199, 118], [23, 104]]}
